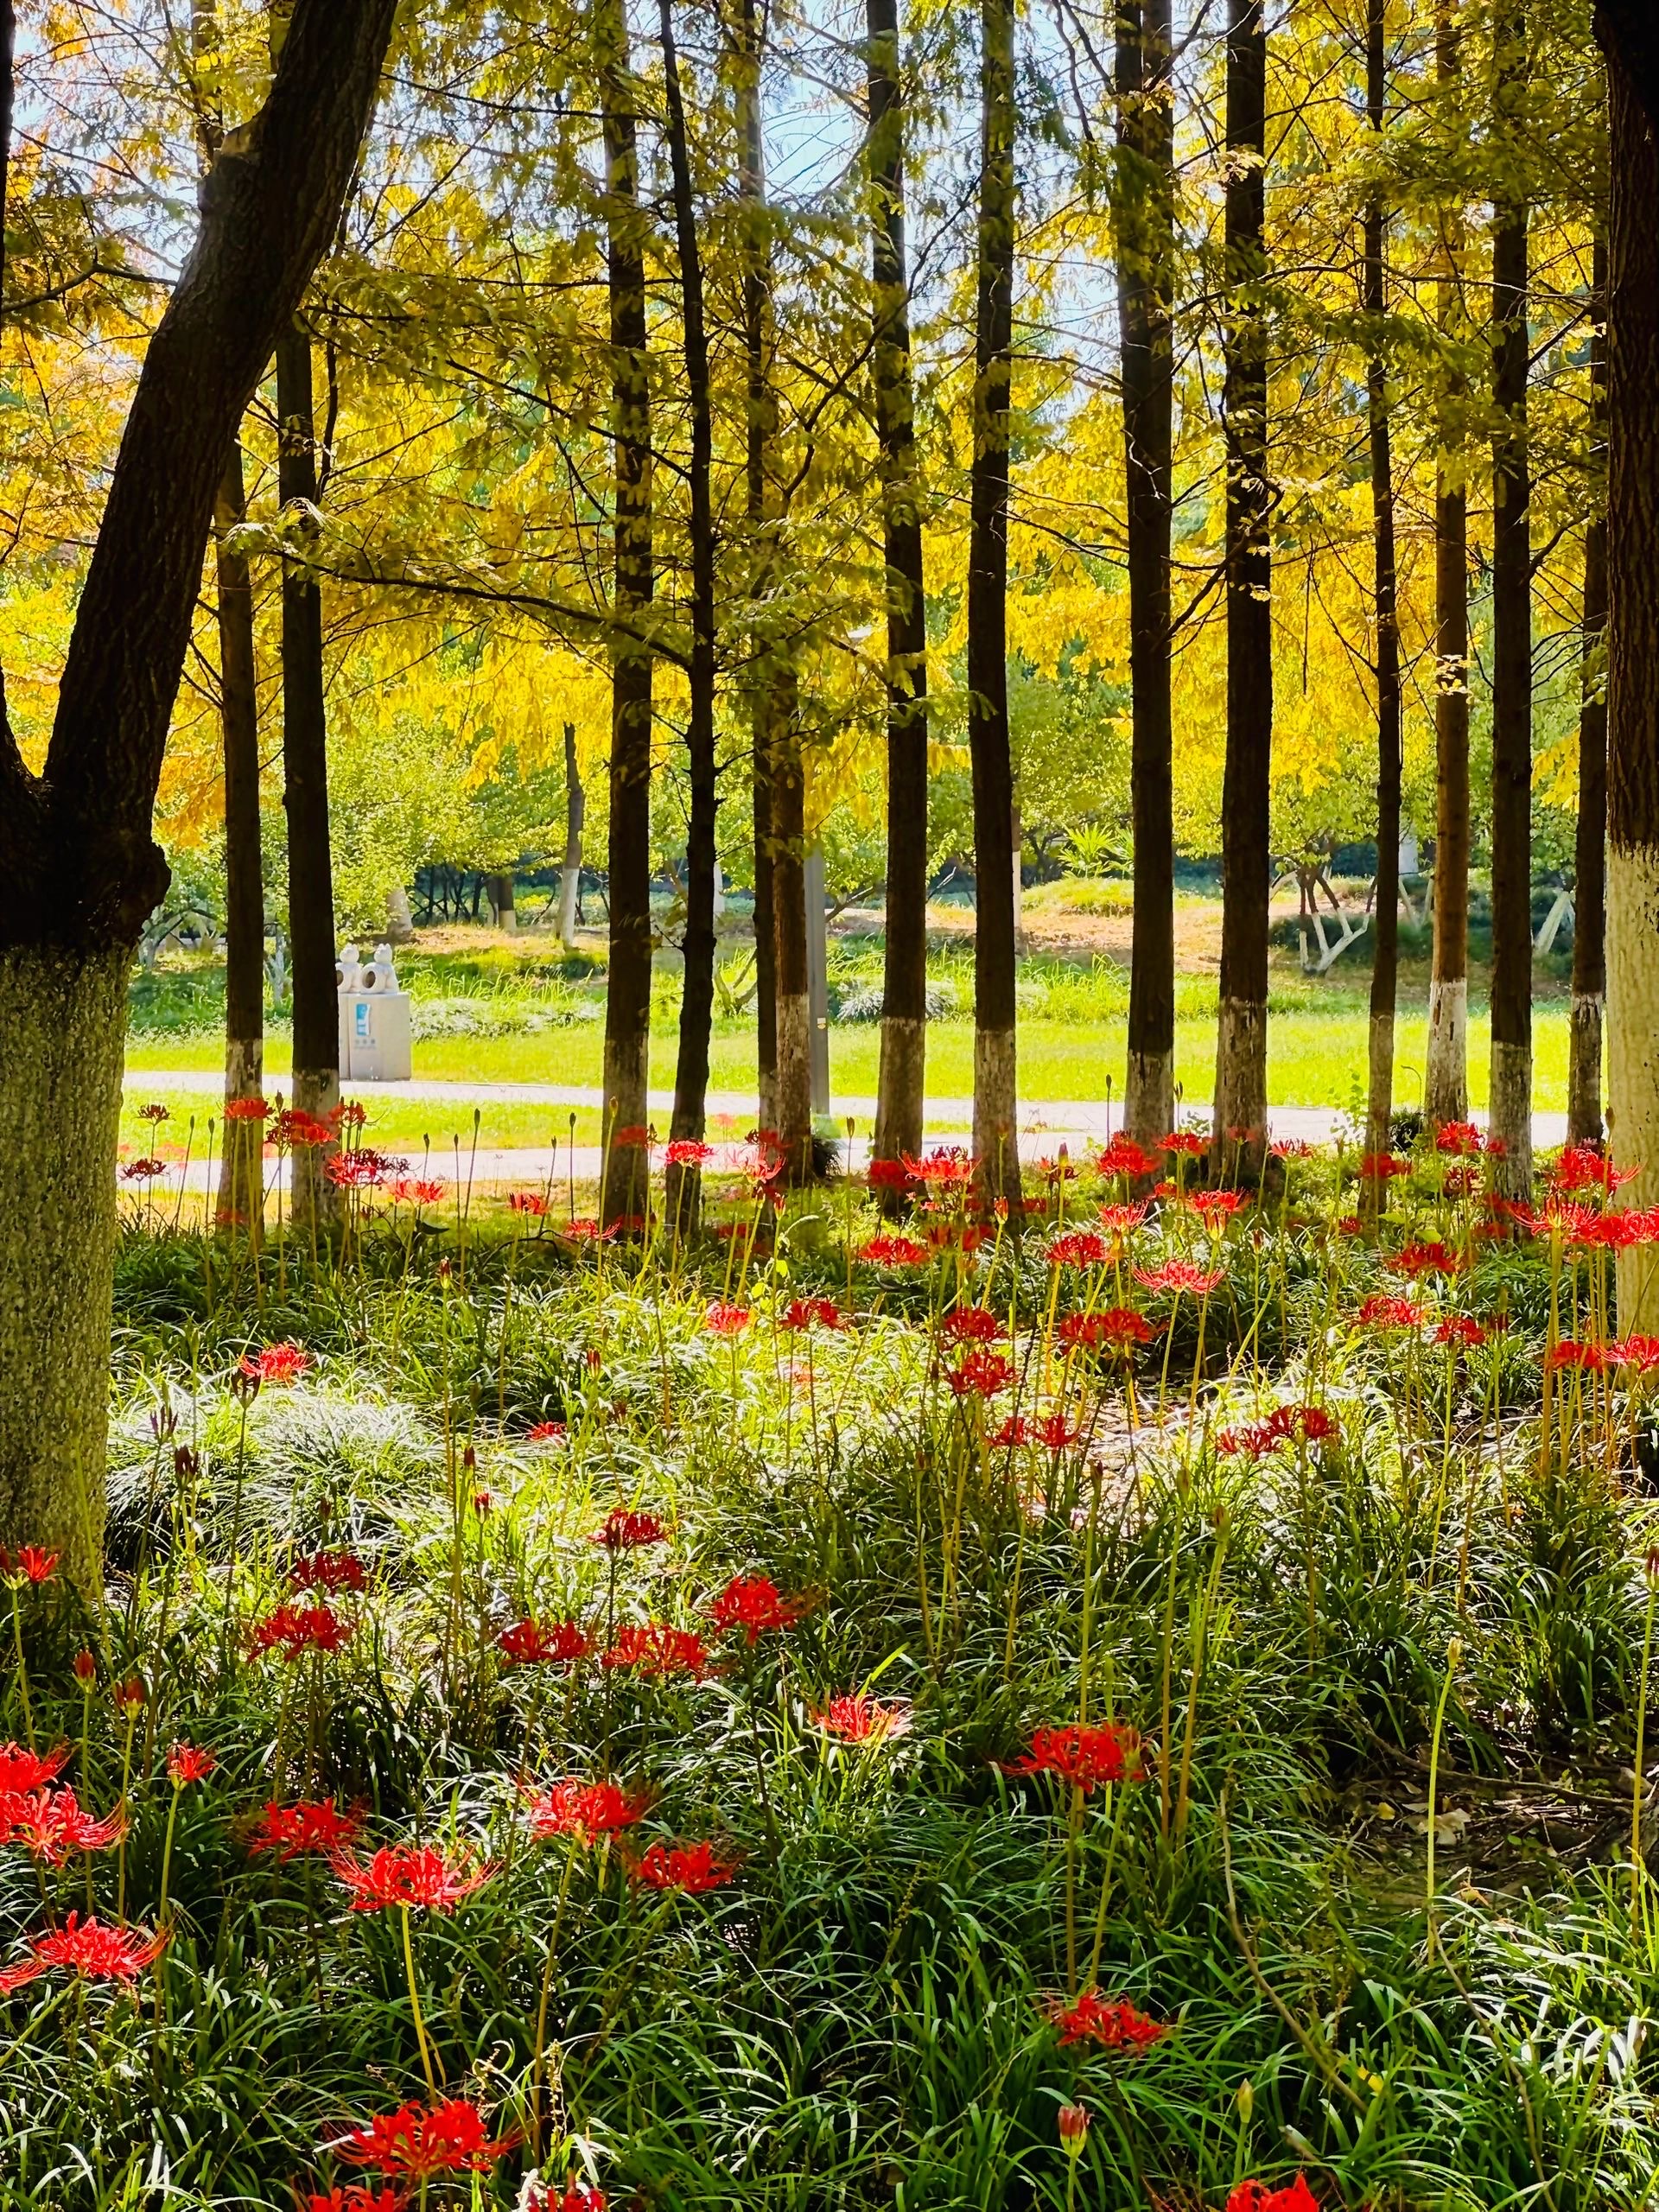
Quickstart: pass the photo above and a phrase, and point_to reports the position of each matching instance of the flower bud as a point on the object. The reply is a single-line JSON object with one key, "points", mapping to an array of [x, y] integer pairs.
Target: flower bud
{"points": [[85, 1667], [1245, 2101], [1074, 2130]]}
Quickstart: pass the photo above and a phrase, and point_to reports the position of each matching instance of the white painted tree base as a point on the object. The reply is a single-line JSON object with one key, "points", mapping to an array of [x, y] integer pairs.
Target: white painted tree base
{"points": [[1379, 1081], [996, 1144], [1445, 1085], [1149, 1098], [1633, 1063], [1509, 1118]]}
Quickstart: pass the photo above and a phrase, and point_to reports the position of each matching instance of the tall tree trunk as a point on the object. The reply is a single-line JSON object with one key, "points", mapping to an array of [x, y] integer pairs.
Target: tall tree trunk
{"points": [[499, 890], [996, 1138], [1511, 1116], [1445, 1091], [1590, 846], [1241, 1111], [1632, 696], [759, 402], [765, 920], [789, 895], [305, 770], [627, 996], [901, 1085], [1385, 968], [575, 813], [697, 997], [79, 868], [241, 1189], [1144, 208]]}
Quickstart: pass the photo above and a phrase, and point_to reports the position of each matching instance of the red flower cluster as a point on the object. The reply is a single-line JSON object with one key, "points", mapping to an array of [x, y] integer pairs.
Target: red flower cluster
{"points": [[1123, 1156], [1257, 2196], [296, 1630], [24, 1770], [1380, 1312], [585, 1810], [1461, 1138], [1592, 1359], [362, 1170], [247, 1109], [1641, 1353], [1180, 1276], [692, 1867], [893, 1252], [415, 1191], [1077, 1247], [295, 1127], [722, 1320], [971, 1324], [857, 1719], [293, 1831], [51, 1825], [626, 1531], [28, 1563], [410, 1875], [980, 1374], [1118, 1330], [654, 1647], [1459, 1329], [1084, 1758], [577, 2197], [188, 1763], [416, 2144], [1382, 1166], [330, 1571], [1111, 2022], [950, 1167], [532, 1203], [1581, 1168], [1427, 1259], [811, 1314], [529, 1643], [275, 1363], [1188, 1143], [89, 1948], [1284, 1424], [358, 2197], [1215, 1208], [755, 1605]]}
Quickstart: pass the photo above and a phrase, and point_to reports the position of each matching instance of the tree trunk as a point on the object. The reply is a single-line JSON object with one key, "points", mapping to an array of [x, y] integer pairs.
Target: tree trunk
{"points": [[1632, 696], [765, 921], [627, 996], [1241, 1113], [794, 1123], [1589, 853], [901, 1085], [1144, 211], [760, 412], [575, 812], [305, 768], [697, 993], [79, 869], [1510, 1114], [1385, 969], [498, 889], [996, 1141], [241, 1188], [1446, 1092]]}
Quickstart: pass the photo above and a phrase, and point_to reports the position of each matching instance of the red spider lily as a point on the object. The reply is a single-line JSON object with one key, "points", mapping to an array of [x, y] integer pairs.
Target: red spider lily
{"points": [[409, 1875], [414, 1190], [1054, 1172], [188, 1763], [1581, 1168], [330, 1571], [754, 1604], [1014, 1433], [143, 1170], [51, 1825], [1072, 2122], [89, 1948], [887, 1175], [295, 1630], [1111, 2022], [416, 2144], [362, 1170], [1427, 1259], [1381, 1166], [1459, 1182], [811, 1314], [132, 1696], [1291, 1148], [1284, 1424], [531, 1203], [626, 1531], [727, 1321], [578, 2197], [975, 1325], [856, 1718], [529, 1643], [1257, 2196], [86, 1668], [1123, 1156], [687, 1152], [154, 1111], [294, 1127], [1082, 1757], [247, 1109], [1459, 1137], [950, 1167], [981, 1374], [1181, 1276], [654, 1647], [893, 1252], [587, 1231], [1380, 1312], [1187, 1142], [1641, 1353], [585, 1810], [1215, 1208], [1118, 1330], [28, 1563], [546, 1432], [1591, 1358], [310, 1825], [275, 1363], [1120, 1221], [1055, 1432], [692, 1867], [1459, 1329], [1077, 1247], [350, 1114], [1255, 1439], [357, 2197]]}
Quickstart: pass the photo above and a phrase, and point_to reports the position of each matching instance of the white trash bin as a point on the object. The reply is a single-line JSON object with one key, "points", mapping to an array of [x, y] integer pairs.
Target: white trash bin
{"points": [[376, 1036]]}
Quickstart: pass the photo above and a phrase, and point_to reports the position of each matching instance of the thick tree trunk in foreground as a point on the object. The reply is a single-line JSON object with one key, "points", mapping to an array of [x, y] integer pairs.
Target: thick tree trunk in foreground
{"points": [[79, 869], [1144, 212], [1241, 1113], [575, 814], [997, 1143], [766, 922], [789, 896], [627, 996], [241, 1188], [1632, 696], [305, 797], [697, 993], [1385, 968], [1510, 1114], [761, 412], [901, 1087], [1446, 1090], [1589, 848], [499, 890]]}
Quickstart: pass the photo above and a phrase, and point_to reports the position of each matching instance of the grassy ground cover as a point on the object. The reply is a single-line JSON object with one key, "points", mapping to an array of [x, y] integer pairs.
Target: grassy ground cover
{"points": [[771, 1719]]}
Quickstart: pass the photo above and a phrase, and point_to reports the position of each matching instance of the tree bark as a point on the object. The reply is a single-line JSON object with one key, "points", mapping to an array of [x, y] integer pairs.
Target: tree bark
{"points": [[789, 893], [1590, 845], [241, 1188], [901, 1085], [1510, 1113], [575, 813], [1628, 33], [697, 993], [305, 797], [997, 1143], [1144, 205], [1241, 1112], [79, 869], [1385, 968], [627, 996], [1632, 696], [1445, 1093]]}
